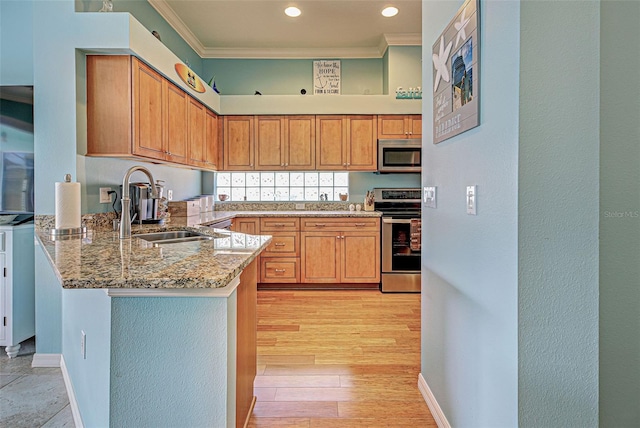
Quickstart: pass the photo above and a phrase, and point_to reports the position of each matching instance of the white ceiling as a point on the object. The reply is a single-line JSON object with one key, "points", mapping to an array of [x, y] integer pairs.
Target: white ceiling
{"points": [[260, 29]]}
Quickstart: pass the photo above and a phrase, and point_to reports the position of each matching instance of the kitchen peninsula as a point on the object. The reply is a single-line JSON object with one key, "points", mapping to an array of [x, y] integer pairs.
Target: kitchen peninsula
{"points": [[158, 335]]}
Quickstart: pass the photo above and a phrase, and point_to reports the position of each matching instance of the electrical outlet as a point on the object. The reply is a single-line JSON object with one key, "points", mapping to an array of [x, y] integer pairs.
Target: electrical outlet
{"points": [[169, 195], [105, 198], [299, 206], [83, 345]]}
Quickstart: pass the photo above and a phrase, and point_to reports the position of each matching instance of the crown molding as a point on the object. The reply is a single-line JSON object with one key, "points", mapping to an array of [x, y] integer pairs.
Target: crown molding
{"points": [[291, 53], [401, 39], [163, 8]]}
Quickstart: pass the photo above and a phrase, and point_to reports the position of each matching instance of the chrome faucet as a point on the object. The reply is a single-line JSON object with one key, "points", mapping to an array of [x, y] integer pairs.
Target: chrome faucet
{"points": [[125, 217]]}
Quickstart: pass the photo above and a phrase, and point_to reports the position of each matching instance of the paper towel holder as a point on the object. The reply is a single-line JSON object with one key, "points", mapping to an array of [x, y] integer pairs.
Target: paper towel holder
{"points": [[68, 232]]}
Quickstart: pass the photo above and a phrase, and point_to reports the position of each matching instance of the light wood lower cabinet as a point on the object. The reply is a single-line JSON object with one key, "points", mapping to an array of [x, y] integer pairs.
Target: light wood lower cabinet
{"points": [[334, 250], [246, 345], [280, 261], [247, 225]]}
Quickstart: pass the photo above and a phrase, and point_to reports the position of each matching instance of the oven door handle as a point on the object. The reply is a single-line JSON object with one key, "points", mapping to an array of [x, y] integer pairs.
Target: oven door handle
{"points": [[396, 220]]}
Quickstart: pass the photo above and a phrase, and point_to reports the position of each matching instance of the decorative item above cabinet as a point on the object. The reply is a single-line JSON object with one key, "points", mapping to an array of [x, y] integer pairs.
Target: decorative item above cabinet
{"points": [[133, 111]]}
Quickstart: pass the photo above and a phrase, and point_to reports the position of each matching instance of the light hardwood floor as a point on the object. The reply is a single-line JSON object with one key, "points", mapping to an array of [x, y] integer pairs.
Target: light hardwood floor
{"points": [[343, 358]]}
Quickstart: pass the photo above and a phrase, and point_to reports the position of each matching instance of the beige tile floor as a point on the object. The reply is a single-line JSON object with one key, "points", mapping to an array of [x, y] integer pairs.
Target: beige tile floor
{"points": [[31, 397]]}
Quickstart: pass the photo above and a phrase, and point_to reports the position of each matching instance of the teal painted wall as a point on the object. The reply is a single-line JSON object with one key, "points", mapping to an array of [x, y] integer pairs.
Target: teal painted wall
{"points": [[619, 217], [404, 67], [16, 42], [88, 311], [289, 76], [196, 376], [557, 225], [48, 306], [152, 20], [469, 274]]}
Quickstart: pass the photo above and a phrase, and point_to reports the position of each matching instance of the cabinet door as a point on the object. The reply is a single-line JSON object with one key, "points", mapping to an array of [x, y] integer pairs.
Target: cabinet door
{"points": [[109, 105], [4, 305], [246, 225], [360, 257], [177, 123], [391, 126], [414, 125], [197, 133], [362, 143], [319, 257], [300, 143], [148, 112], [279, 269], [238, 143], [211, 140], [269, 142], [331, 135], [246, 346]]}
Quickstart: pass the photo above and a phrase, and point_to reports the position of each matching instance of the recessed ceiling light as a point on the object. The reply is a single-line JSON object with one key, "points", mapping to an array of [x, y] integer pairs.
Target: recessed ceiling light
{"points": [[292, 11], [390, 11]]}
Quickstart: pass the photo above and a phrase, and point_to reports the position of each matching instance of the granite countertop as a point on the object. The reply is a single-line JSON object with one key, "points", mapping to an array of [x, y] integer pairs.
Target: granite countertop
{"points": [[102, 260], [215, 216]]}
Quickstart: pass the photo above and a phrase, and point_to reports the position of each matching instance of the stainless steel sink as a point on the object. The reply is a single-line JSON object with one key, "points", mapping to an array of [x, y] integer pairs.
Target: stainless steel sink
{"points": [[173, 237]]}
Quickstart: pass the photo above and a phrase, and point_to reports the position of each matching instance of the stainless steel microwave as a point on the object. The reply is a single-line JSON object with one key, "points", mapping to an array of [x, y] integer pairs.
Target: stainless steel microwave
{"points": [[404, 155]]}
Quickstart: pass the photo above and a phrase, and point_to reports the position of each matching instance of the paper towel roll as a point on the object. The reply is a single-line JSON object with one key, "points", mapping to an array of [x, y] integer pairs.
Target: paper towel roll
{"points": [[67, 205]]}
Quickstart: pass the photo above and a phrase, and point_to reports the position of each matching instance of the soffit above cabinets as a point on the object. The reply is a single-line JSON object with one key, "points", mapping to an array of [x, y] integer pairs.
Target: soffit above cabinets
{"points": [[260, 29]]}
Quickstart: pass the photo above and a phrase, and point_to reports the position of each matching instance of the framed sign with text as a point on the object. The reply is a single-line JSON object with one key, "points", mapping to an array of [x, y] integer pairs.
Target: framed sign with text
{"points": [[456, 73], [326, 77]]}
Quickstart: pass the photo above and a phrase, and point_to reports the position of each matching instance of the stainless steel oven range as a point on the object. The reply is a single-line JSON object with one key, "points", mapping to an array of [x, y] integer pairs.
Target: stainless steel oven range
{"points": [[401, 238]]}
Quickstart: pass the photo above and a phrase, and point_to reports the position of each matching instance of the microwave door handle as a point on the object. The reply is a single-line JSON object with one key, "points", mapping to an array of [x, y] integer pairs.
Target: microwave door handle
{"points": [[396, 220]]}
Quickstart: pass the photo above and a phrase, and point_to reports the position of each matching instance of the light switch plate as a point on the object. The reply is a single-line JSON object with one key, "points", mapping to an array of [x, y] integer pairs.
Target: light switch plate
{"points": [[471, 198], [429, 196]]}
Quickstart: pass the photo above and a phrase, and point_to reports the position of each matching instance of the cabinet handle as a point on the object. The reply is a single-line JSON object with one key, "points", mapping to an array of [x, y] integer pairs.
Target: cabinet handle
{"points": [[280, 270], [286, 164], [320, 225], [344, 164], [278, 225], [279, 244], [360, 224]]}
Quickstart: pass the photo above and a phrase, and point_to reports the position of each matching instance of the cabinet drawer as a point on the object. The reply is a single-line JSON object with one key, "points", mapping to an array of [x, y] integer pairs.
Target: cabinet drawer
{"points": [[340, 224], [276, 224], [274, 270], [283, 244]]}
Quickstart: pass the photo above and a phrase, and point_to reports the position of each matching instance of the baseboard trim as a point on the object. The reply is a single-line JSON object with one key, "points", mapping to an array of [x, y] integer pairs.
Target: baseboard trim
{"points": [[436, 411], [73, 403], [46, 360]]}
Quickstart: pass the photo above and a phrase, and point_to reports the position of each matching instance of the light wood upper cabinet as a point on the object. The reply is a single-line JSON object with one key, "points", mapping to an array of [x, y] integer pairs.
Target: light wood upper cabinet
{"points": [[400, 126], [362, 154], [346, 143], [148, 109], [178, 122], [133, 111], [299, 146], [212, 140], [331, 133], [270, 135], [197, 133], [285, 142], [238, 152]]}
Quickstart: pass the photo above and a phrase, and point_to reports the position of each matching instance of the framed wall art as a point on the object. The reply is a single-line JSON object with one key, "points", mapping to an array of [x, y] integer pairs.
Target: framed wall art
{"points": [[456, 74]]}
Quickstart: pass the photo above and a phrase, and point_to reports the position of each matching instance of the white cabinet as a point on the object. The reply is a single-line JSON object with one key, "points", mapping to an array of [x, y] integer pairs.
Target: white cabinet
{"points": [[17, 287]]}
